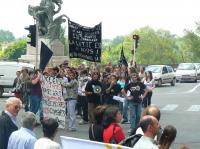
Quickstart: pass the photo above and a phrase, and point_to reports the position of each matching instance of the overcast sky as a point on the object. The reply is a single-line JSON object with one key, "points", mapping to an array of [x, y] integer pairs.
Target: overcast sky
{"points": [[118, 17]]}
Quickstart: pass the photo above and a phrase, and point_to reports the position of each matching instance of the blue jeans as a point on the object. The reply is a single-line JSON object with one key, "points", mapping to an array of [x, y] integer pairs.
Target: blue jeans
{"points": [[35, 103], [135, 112], [71, 111], [125, 110]]}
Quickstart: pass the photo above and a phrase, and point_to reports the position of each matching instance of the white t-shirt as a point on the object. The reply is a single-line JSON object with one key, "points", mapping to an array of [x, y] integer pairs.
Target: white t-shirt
{"points": [[145, 143], [149, 84], [46, 143]]}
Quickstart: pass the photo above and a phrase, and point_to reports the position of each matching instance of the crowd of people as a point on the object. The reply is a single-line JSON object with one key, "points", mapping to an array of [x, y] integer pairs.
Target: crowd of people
{"points": [[89, 92]]}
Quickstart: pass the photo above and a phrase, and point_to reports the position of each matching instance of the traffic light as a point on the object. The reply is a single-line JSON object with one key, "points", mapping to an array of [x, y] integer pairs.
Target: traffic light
{"points": [[32, 35], [136, 39]]}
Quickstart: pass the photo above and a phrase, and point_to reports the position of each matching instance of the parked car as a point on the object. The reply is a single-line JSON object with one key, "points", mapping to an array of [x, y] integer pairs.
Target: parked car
{"points": [[8, 73], [186, 72], [162, 74], [198, 70]]}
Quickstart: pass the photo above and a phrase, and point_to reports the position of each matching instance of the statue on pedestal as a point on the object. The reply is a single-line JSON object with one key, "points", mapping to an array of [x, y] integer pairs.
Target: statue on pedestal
{"points": [[48, 30], [44, 14]]}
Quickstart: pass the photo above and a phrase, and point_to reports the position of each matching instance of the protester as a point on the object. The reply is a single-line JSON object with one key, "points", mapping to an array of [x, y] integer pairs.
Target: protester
{"points": [[114, 89], [96, 129], [24, 138], [113, 132], [35, 93], [142, 72], [136, 91], [71, 100], [168, 136], [149, 82], [93, 91], [8, 120], [24, 88], [150, 127], [83, 79], [15, 85], [49, 127]]}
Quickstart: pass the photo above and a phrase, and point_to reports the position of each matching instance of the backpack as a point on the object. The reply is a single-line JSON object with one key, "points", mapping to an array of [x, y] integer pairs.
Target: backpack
{"points": [[131, 140]]}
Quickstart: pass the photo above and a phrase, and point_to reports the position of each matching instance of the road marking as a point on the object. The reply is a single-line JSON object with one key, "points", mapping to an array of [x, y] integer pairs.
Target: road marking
{"points": [[194, 108], [193, 89], [170, 107]]}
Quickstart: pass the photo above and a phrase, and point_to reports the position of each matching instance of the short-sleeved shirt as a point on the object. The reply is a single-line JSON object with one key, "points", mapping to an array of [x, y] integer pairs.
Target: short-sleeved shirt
{"points": [[136, 89]]}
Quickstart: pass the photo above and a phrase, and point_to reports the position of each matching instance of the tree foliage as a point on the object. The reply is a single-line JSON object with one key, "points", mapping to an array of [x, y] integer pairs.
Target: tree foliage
{"points": [[15, 50], [155, 47], [6, 36], [190, 45]]}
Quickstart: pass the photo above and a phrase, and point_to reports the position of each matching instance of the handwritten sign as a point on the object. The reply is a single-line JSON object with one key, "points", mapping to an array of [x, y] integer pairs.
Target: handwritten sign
{"points": [[53, 102], [84, 42]]}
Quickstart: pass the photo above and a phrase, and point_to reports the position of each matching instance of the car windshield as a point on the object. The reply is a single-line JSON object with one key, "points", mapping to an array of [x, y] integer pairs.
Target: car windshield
{"points": [[154, 69], [185, 67]]}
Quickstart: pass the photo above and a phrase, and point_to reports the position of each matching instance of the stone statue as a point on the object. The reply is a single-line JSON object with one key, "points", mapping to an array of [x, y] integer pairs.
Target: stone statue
{"points": [[54, 28], [44, 14]]}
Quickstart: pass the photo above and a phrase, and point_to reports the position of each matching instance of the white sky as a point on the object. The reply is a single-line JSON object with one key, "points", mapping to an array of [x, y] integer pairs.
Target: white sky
{"points": [[118, 17]]}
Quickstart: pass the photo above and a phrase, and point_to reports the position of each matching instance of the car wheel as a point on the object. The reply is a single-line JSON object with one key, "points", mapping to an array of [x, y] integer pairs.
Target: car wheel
{"points": [[159, 82], [1, 91], [173, 82]]}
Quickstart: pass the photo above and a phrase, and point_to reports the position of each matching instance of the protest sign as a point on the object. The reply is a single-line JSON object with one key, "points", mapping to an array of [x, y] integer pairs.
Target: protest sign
{"points": [[53, 102], [84, 42], [75, 143]]}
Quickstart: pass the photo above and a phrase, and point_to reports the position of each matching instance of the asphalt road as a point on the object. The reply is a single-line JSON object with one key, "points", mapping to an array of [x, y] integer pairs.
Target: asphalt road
{"points": [[179, 104]]}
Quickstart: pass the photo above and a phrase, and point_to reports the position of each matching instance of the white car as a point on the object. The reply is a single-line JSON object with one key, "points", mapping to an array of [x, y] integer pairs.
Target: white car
{"points": [[162, 74], [8, 73], [186, 72]]}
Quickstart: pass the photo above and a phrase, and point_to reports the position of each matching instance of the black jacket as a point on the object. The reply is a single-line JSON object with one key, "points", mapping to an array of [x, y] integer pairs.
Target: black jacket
{"points": [[6, 128]]}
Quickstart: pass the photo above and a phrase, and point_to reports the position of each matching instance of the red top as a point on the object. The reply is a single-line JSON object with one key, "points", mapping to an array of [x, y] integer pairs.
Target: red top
{"points": [[118, 133]]}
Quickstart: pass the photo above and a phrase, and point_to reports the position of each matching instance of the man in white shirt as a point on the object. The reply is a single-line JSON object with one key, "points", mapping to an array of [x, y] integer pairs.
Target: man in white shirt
{"points": [[50, 127], [150, 126], [24, 138]]}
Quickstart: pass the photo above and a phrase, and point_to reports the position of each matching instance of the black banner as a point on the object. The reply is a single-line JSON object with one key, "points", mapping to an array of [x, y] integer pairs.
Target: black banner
{"points": [[84, 42]]}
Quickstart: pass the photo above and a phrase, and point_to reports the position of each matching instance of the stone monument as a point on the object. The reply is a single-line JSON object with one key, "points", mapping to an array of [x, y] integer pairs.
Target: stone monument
{"points": [[48, 31]]}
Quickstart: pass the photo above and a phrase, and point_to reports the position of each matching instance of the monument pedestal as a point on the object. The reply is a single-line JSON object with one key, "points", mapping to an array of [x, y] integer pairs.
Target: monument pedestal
{"points": [[57, 48]]}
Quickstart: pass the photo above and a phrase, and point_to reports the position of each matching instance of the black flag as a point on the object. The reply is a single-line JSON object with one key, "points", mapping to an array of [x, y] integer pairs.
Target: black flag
{"points": [[45, 56], [84, 42], [123, 58]]}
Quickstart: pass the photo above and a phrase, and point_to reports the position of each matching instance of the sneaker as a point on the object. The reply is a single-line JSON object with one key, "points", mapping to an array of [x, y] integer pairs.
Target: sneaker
{"points": [[82, 122], [124, 121]]}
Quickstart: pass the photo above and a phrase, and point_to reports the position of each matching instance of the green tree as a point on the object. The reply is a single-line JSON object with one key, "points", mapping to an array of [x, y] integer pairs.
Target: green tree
{"points": [[15, 50], [190, 45], [6, 36]]}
